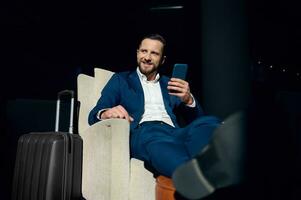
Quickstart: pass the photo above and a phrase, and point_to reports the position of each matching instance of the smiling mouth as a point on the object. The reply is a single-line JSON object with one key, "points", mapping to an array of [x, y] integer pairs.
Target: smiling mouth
{"points": [[148, 64]]}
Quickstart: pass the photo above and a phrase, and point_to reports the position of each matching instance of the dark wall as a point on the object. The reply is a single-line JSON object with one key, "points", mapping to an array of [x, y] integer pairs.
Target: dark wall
{"points": [[46, 46]]}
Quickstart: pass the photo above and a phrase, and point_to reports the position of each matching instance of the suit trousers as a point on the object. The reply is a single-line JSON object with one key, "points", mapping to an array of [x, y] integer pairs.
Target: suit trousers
{"points": [[165, 147]]}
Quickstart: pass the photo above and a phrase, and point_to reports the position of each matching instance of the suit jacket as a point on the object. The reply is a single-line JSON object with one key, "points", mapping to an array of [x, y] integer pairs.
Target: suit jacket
{"points": [[125, 89]]}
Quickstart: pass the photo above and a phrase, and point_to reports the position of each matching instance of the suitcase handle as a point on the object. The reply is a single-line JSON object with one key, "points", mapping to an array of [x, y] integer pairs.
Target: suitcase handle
{"points": [[65, 92], [57, 117]]}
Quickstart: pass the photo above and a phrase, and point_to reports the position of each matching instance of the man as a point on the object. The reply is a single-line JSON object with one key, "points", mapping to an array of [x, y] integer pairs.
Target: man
{"points": [[144, 98]]}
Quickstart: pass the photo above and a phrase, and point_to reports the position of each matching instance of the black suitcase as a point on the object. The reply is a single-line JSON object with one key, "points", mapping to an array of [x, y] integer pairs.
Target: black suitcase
{"points": [[49, 164]]}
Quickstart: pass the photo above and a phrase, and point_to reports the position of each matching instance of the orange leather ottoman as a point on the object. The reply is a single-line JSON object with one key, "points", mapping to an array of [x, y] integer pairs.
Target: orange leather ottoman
{"points": [[164, 188]]}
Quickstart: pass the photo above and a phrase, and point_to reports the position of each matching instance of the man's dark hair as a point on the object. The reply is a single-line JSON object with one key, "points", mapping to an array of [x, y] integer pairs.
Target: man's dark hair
{"points": [[155, 36]]}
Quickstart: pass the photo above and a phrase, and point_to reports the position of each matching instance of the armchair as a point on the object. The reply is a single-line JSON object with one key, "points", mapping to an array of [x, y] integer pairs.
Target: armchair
{"points": [[108, 171]]}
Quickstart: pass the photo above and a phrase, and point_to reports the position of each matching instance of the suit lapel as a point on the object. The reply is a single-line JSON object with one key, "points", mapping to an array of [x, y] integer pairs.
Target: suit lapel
{"points": [[164, 90], [134, 82], [137, 90]]}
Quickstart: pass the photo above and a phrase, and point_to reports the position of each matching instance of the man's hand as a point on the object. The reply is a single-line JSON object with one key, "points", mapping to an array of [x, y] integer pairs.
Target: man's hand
{"points": [[180, 88], [116, 112]]}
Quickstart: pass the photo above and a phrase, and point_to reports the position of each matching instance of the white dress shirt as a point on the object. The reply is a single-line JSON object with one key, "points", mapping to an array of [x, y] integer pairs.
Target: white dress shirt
{"points": [[154, 109]]}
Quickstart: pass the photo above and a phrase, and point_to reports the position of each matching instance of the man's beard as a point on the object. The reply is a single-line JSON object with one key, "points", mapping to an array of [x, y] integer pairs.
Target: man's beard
{"points": [[147, 71]]}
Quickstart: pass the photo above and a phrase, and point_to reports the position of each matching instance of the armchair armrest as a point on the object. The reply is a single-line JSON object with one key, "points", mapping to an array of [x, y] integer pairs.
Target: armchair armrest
{"points": [[106, 155]]}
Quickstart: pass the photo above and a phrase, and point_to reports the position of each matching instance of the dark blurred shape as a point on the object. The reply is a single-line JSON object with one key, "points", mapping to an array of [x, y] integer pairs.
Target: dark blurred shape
{"points": [[225, 56], [221, 164]]}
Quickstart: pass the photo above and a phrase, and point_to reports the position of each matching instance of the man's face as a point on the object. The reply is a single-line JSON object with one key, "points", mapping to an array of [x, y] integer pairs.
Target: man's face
{"points": [[149, 57]]}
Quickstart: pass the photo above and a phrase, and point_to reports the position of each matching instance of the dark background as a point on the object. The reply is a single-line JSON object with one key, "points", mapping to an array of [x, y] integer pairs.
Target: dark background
{"points": [[46, 44]]}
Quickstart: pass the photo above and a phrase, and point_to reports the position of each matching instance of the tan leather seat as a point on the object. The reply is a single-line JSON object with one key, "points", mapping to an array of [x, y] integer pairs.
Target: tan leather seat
{"points": [[165, 189]]}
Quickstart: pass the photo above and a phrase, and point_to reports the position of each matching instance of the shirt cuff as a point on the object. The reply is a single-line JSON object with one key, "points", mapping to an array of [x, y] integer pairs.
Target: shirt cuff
{"points": [[100, 112], [193, 102]]}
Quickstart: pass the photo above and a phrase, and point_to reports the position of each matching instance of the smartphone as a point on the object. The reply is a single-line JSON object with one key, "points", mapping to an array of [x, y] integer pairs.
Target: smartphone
{"points": [[180, 71]]}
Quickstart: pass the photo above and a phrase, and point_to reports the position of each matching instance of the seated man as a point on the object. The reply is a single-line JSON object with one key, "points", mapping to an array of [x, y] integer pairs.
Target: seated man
{"points": [[148, 101]]}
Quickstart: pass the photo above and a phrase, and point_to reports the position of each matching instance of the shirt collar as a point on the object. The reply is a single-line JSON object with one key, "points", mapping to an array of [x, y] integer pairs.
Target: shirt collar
{"points": [[144, 78]]}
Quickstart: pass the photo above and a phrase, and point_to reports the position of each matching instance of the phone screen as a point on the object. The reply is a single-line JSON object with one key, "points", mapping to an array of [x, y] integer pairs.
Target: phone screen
{"points": [[180, 71]]}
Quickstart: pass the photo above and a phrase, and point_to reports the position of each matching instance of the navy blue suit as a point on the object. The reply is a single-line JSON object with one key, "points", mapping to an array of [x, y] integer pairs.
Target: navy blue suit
{"points": [[164, 147]]}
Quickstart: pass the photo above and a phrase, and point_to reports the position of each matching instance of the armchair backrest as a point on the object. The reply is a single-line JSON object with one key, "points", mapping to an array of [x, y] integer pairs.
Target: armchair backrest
{"points": [[89, 90]]}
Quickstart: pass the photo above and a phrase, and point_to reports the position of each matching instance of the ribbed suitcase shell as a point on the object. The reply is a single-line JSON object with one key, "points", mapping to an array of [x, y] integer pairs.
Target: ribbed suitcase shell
{"points": [[48, 167]]}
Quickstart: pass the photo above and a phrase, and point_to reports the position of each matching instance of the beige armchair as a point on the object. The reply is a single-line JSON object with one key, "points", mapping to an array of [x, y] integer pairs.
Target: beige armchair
{"points": [[108, 171]]}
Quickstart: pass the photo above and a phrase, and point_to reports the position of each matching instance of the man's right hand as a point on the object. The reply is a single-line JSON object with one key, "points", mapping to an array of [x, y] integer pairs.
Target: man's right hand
{"points": [[116, 112]]}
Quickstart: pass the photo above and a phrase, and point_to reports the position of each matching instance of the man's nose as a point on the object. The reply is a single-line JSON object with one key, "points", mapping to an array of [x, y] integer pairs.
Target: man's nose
{"points": [[147, 56]]}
